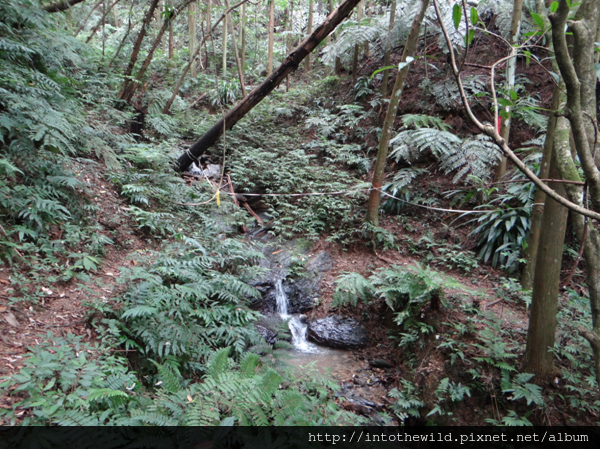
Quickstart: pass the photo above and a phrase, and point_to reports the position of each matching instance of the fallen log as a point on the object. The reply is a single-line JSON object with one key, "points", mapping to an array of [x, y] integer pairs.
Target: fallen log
{"points": [[266, 87]]}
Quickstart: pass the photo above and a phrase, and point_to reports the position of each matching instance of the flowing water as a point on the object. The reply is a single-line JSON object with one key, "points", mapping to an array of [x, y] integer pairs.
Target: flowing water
{"points": [[297, 327]]}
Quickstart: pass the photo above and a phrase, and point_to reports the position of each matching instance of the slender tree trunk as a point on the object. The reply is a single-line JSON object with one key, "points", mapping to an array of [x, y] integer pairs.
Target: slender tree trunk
{"points": [[367, 14], [243, 44], [171, 34], [289, 40], [224, 45], [208, 28], [136, 49], [540, 198], [267, 86], [127, 94], [579, 74], [102, 20], [187, 67], [116, 16], [82, 26], [538, 359], [511, 66], [271, 36], [192, 37], [533, 238], [386, 57], [104, 29], [238, 62], [361, 10], [384, 142], [309, 28], [124, 37], [331, 6]]}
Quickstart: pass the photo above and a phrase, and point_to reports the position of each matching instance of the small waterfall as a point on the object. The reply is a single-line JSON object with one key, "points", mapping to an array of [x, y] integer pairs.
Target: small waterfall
{"points": [[298, 329], [281, 298]]}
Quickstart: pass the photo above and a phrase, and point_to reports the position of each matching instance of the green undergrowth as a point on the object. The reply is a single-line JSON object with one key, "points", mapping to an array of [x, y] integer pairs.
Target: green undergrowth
{"points": [[480, 351]]}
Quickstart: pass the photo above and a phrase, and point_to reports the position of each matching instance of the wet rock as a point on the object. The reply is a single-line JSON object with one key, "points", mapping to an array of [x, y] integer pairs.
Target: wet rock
{"points": [[337, 332], [357, 408], [269, 335], [301, 276], [380, 363]]}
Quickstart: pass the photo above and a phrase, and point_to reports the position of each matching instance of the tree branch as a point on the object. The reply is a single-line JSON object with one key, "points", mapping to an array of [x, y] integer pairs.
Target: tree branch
{"points": [[492, 132]]}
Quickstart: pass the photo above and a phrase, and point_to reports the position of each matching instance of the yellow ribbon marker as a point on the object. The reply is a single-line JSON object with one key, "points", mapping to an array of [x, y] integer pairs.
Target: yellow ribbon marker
{"points": [[218, 199]]}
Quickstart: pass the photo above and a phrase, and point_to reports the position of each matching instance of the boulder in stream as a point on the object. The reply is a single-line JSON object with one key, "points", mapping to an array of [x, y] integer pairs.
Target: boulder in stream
{"points": [[337, 332]]}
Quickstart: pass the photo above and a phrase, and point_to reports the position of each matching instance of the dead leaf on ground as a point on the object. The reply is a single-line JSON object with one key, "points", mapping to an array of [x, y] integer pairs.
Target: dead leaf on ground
{"points": [[3, 309], [4, 281], [11, 319]]}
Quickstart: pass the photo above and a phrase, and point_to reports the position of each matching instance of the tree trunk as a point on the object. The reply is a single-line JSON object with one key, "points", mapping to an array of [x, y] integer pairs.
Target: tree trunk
{"points": [[367, 13], [101, 22], [124, 37], [540, 197], [187, 67], [171, 35], [136, 50], [386, 57], [511, 66], [359, 17], [309, 32], [208, 27], [192, 37], [224, 47], [267, 86], [384, 142], [330, 5], [62, 5], [271, 36], [577, 70], [127, 94], [82, 26], [243, 43], [238, 62], [538, 359], [116, 16]]}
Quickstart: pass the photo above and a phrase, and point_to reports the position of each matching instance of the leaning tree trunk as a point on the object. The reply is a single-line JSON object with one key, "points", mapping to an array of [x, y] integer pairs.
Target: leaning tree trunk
{"points": [[538, 359], [384, 142], [61, 5], [243, 107], [136, 50], [511, 66]]}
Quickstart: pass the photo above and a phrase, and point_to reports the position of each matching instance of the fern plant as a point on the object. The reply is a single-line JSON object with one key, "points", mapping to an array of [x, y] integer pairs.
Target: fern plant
{"points": [[472, 155]]}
